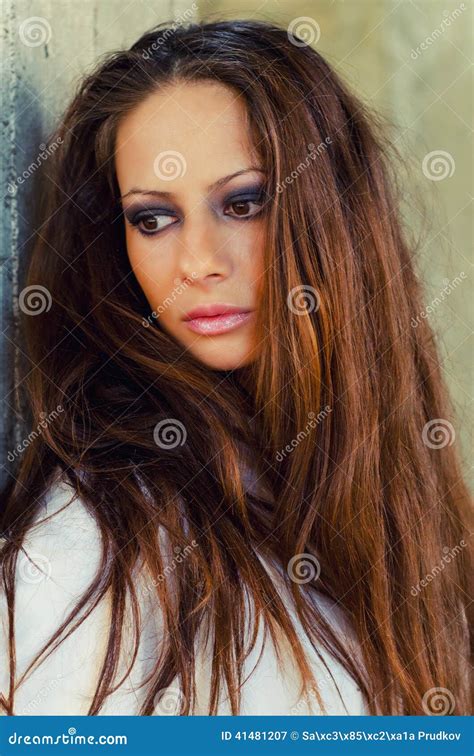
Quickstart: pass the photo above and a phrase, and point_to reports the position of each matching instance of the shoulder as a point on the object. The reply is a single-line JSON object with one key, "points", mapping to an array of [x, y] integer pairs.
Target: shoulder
{"points": [[64, 525], [59, 563], [271, 682], [61, 552], [338, 690], [62, 546], [335, 692], [60, 557]]}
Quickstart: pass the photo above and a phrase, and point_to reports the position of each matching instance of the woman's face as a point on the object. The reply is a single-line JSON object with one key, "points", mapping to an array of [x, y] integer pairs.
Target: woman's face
{"points": [[191, 187]]}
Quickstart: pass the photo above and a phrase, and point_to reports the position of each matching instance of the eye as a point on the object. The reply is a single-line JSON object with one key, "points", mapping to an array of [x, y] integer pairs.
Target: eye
{"points": [[149, 224], [245, 207]]}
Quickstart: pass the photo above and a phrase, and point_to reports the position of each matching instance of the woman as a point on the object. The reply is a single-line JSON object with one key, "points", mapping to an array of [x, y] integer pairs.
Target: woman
{"points": [[239, 493]]}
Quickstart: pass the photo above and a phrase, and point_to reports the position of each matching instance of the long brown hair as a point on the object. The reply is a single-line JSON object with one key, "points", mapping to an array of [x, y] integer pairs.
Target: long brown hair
{"points": [[364, 492]]}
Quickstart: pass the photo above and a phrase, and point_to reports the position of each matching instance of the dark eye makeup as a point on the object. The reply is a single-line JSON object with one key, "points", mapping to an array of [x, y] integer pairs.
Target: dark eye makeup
{"points": [[151, 220]]}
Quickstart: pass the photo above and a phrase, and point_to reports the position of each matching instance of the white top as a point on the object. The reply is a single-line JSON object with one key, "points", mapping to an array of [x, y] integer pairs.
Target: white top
{"points": [[66, 551]]}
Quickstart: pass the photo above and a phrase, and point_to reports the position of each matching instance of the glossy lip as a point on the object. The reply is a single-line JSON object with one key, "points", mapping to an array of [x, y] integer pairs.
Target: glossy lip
{"points": [[210, 310], [215, 324]]}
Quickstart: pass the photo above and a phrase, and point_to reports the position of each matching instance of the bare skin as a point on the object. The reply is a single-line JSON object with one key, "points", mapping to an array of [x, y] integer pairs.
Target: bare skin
{"points": [[202, 242]]}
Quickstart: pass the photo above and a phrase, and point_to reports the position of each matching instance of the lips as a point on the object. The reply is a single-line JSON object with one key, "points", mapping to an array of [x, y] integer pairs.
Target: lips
{"points": [[215, 319], [210, 310]]}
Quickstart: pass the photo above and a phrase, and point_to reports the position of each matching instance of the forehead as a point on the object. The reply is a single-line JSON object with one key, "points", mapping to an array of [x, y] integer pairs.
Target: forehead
{"points": [[205, 122]]}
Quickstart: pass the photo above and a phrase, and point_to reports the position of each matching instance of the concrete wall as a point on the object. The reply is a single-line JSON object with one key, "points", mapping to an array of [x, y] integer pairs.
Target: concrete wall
{"points": [[410, 59]]}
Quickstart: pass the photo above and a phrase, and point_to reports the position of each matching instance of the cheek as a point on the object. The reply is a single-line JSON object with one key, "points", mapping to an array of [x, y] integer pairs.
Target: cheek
{"points": [[253, 247], [149, 269]]}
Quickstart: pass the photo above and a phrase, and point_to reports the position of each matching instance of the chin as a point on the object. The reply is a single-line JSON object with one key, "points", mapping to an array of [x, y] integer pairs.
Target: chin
{"points": [[224, 358]]}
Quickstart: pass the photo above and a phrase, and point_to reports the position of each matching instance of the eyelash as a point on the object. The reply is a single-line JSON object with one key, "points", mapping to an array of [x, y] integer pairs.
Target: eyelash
{"points": [[148, 214]]}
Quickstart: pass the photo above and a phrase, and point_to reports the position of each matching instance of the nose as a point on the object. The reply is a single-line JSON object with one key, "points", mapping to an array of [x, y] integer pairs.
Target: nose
{"points": [[202, 255]]}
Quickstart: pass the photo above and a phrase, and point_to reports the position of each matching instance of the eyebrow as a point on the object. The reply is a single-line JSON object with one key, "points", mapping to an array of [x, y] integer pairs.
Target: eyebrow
{"points": [[211, 188]]}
